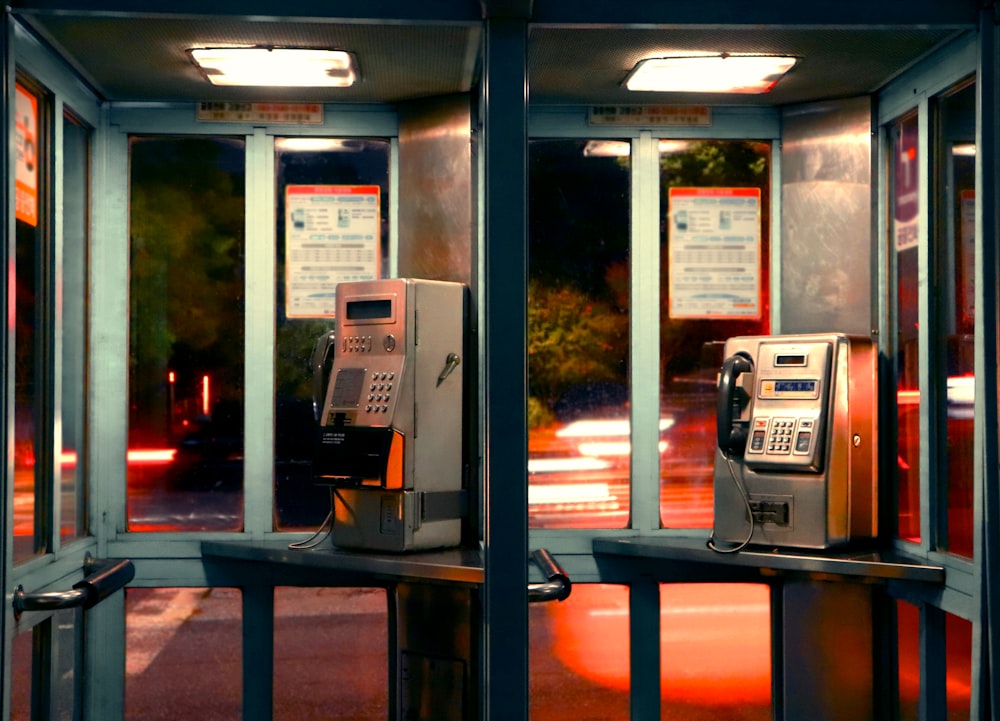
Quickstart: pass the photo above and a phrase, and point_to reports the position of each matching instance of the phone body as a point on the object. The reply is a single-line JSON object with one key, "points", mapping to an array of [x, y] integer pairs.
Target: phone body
{"points": [[390, 440], [796, 463]]}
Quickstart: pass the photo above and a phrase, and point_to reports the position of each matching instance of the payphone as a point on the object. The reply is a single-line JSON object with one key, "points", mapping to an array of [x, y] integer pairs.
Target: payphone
{"points": [[796, 462], [390, 439]]}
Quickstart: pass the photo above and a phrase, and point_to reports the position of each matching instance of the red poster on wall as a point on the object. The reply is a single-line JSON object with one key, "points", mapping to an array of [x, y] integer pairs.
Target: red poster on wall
{"points": [[26, 156]]}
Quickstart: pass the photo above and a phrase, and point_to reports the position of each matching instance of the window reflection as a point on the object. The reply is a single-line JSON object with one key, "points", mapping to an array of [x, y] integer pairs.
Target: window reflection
{"points": [[904, 204], [186, 334], [955, 179], [715, 653], [76, 199], [183, 653], [579, 655], [578, 326], [908, 659], [958, 645], [31, 347], [695, 175], [715, 659], [298, 502]]}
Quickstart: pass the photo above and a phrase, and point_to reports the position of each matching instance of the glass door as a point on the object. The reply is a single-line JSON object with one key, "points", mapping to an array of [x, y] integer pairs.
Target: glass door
{"points": [[46, 525]]}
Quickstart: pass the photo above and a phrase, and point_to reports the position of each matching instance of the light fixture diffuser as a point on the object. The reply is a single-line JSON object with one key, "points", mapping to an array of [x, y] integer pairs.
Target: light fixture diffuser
{"points": [[709, 73], [276, 67]]}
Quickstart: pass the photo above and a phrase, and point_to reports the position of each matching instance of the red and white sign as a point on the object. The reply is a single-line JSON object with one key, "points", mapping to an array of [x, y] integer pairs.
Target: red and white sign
{"points": [[26, 152]]}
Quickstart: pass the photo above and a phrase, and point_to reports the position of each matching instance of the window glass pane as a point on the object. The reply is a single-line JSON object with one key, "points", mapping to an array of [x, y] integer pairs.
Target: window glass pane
{"points": [[22, 654], [30, 347], [183, 655], [186, 335], [331, 654], [908, 648], [312, 165], [76, 199], [714, 211], [67, 659], [715, 659], [955, 180], [578, 321], [579, 655], [958, 644], [904, 205]]}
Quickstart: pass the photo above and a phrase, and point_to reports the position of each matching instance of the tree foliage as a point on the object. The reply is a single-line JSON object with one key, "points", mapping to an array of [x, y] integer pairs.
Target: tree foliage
{"points": [[572, 339]]}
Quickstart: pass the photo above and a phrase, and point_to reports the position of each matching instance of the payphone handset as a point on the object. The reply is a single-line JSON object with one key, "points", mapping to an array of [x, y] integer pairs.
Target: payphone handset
{"points": [[797, 424], [390, 439]]}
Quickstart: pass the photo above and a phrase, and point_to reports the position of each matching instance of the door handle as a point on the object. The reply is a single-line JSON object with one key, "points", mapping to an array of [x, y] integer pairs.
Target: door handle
{"points": [[450, 364], [103, 578], [557, 587]]}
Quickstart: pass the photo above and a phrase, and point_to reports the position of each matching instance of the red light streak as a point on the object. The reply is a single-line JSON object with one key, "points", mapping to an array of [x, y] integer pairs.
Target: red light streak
{"points": [[204, 395], [147, 456]]}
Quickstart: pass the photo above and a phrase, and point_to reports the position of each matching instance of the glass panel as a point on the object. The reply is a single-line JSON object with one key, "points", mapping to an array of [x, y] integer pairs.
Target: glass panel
{"points": [[578, 334], [76, 200], [186, 354], [955, 235], [30, 151], [958, 644], [183, 654], [904, 203], [317, 162], [714, 210], [908, 648], [331, 654], [67, 660], [715, 652], [22, 655], [579, 655]]}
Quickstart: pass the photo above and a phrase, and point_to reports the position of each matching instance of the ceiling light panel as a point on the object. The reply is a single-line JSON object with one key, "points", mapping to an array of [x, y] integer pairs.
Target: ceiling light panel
{"points": [[709, 73], [276, 67]]}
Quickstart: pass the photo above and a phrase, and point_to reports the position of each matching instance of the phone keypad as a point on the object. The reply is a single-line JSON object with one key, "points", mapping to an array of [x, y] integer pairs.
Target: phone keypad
{"points": [[779, 439], [357, 344], [380, 391], [782, 436]]}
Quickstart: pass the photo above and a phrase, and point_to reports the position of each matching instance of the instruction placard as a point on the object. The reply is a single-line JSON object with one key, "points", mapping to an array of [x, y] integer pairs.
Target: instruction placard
{"points": [[714, 253], [333, 234], [26, 152]]}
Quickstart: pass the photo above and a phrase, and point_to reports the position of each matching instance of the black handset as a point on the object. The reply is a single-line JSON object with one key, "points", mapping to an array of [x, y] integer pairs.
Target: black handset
{"points": [[322, 357], [732, 433]]}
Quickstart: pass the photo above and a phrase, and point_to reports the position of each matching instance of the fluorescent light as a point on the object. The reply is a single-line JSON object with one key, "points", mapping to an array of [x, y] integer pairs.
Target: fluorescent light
{"points": [[709, 73], [276, 67], [316, 144], [622, 148]]}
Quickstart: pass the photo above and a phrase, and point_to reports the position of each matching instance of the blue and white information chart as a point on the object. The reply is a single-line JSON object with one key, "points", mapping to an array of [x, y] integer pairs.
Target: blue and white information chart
{"points": [[332, 235], [714, 253]]}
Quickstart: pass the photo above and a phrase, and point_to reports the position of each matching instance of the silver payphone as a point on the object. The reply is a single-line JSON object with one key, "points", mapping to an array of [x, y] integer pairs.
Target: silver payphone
{"points": [[796, 463], [391, 440]]}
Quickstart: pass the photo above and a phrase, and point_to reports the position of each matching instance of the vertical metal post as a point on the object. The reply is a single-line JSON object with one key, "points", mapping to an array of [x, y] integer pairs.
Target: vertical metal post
{"points": [[505, 96], [258, 652], [644, 648], [6, 372], [986, 329]]}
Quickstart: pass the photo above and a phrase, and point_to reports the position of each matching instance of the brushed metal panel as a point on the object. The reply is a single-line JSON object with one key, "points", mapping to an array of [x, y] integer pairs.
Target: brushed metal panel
{"points": [[827, 250], [436, 226], [827, 651]]}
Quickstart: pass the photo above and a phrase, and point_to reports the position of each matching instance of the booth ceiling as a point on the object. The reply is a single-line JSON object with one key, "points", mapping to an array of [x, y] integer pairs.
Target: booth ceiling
{"points": [[577, 54]]}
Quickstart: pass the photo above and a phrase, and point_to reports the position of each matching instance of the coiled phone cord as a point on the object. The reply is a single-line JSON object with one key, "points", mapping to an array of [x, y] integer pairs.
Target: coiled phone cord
{"points": [[746, 501]]}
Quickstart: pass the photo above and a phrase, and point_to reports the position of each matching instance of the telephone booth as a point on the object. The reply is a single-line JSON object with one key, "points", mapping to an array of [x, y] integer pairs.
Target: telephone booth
{"points": [[616, 201]]}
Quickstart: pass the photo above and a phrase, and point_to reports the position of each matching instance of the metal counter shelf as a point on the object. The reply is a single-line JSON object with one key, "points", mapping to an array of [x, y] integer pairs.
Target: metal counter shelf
{"points": [[455, 565], [857, 564]]}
